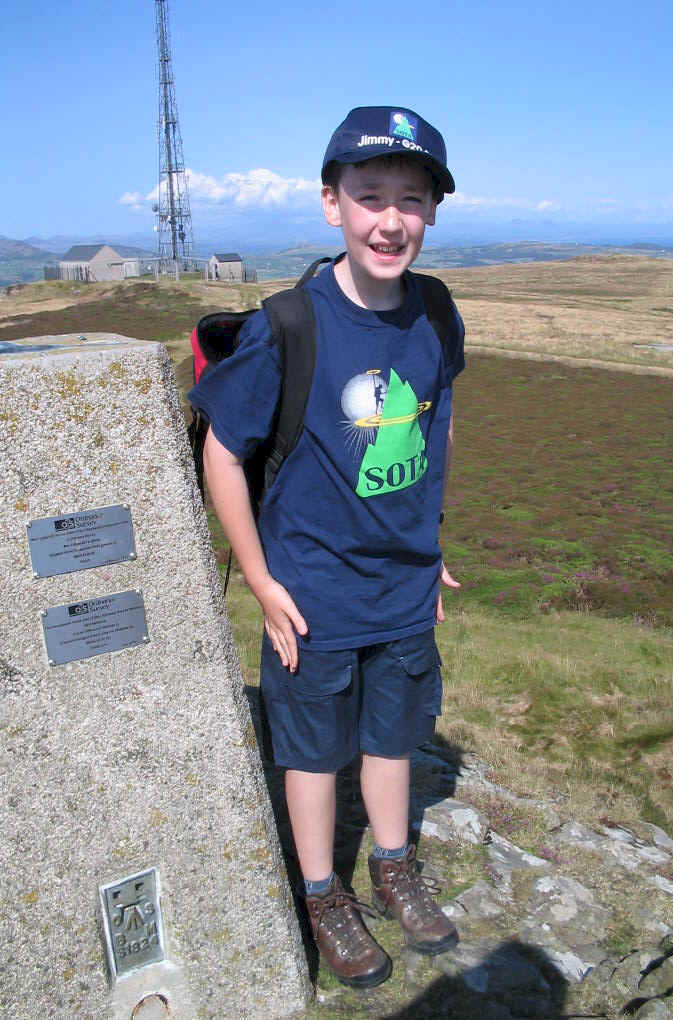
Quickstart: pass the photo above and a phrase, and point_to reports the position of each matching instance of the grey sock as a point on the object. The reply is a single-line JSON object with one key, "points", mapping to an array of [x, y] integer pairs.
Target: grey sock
{"points": [[318, 887], [381, 853]]}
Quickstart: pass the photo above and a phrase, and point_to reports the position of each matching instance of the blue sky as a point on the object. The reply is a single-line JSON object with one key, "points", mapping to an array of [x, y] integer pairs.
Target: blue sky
{"points": [[551, 114]]}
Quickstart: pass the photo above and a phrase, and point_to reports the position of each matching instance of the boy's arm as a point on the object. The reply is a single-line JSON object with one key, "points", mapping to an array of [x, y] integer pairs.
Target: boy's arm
{"points": [[229, 491], [444, 575]]}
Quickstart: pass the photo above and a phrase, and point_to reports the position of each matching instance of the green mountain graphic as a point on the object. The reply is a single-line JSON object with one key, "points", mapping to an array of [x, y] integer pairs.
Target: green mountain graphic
{"points": [[397, 458], [404, 129]]}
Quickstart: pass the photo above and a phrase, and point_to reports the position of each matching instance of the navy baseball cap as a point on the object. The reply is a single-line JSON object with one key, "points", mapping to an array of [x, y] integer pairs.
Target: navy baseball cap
{"points": [[370, 131]]}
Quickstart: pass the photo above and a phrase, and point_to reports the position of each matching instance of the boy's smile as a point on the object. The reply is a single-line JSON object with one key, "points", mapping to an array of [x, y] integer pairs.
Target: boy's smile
{"points": [[383, 208]]}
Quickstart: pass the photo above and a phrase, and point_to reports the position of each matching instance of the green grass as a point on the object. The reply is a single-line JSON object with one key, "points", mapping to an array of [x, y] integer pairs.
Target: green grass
{"points": [[568, 704], [558, 650], [570, 699], [129, 310], [555, 501]]}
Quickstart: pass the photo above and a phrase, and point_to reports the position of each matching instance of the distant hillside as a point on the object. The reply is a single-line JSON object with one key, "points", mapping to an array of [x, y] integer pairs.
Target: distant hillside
{"points": [[444, 256], [22, 262], [10, 249], [59, 243], [293, 261], [128, 250]]}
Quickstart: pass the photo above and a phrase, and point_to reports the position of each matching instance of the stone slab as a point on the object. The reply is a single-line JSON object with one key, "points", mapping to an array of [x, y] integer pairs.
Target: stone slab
{"points": [[139, 758], [448, 820], [618, 846]]}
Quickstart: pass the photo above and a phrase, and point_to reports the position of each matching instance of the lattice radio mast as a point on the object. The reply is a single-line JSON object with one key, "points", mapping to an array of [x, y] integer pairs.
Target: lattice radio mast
{"points": [[174, 219]]}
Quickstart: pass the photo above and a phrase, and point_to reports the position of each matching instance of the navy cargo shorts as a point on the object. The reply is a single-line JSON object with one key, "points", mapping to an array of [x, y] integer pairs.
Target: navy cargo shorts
{"points": [[381, 699]]}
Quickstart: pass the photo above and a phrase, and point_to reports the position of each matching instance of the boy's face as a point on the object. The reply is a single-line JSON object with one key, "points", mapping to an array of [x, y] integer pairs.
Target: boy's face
{"points": [[383, 209]]}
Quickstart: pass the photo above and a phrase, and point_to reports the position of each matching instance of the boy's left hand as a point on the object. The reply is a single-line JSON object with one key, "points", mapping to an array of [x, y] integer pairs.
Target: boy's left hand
{"points": [[445, 578]]}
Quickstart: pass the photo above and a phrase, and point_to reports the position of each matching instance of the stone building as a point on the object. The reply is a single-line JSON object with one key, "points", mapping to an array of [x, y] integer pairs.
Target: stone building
{"points": [[94, 262], [227, 267]]}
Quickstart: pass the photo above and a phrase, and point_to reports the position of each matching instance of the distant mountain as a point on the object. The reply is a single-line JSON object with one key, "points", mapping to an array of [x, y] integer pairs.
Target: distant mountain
{"points": [[292, 262], [24, 262], [445, 256], [59, 243], [10, 249], [128, 250]]}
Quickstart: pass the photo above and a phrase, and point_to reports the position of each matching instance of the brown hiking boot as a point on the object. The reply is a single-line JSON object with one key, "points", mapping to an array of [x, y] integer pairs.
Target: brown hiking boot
{"points": [[400, 891], [345, 944]]}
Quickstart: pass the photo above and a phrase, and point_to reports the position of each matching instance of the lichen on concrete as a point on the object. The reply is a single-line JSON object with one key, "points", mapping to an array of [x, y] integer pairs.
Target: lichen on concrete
{"points": [[94, 753]]}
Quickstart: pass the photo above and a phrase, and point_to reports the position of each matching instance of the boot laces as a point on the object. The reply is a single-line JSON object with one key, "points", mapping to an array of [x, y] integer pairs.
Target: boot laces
{"points": [[337, 913], [407, 881]]}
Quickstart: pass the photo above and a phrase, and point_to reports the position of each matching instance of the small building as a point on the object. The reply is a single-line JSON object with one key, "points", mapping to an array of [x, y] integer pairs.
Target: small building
{"points": [[226, 267], [91, 263]]}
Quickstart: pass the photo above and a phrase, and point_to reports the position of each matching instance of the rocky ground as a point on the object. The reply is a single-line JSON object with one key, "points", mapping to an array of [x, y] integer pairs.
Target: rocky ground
{"points": [[558, 920]]}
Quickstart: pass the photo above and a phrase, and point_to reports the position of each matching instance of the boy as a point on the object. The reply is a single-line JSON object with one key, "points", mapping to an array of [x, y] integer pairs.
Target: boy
{"points": [[344, 558]]}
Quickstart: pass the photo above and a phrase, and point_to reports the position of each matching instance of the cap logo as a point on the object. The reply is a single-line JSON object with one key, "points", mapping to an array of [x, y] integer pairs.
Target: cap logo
{"points": [[403, 125]]}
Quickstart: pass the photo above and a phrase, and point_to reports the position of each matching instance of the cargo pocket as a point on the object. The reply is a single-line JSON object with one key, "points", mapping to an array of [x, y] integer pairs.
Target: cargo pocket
{"points": [[321, 673], [308, 710], [420, 662]]}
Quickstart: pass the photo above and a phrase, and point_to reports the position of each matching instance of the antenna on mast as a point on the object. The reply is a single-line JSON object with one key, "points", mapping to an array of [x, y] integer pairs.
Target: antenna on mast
{"points": [[174, 219]]}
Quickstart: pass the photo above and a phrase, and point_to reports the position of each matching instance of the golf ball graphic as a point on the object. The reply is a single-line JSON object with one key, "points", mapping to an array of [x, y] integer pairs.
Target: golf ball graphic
{"points": [[362, 402]]}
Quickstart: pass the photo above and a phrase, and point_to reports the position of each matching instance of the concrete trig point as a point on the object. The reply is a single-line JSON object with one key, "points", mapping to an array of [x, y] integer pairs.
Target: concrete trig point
{"points": [[141, 874]]}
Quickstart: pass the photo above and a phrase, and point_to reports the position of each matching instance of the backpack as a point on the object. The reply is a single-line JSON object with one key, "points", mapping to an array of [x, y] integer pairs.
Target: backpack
{"points": [[292, 320], [215, 337]]}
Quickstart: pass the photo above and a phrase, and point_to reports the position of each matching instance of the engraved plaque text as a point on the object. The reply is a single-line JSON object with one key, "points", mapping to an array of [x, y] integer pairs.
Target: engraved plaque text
{"points": [[94, 626], [132, 921], [75, 541]]}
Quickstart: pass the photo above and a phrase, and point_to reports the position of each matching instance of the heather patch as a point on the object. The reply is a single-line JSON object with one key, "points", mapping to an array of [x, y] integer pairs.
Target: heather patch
{"points": [[140, 310], [558, 653], [571, 509]]}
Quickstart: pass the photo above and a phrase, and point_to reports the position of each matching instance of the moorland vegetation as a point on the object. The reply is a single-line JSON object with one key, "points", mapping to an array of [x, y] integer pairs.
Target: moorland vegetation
{"points": [[558, 650]]}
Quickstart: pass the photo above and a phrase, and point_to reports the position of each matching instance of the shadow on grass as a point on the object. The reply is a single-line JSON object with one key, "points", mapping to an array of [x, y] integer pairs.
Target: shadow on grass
{"points": [[352, 821], [509, 979], [514, 979], [351, 814]]}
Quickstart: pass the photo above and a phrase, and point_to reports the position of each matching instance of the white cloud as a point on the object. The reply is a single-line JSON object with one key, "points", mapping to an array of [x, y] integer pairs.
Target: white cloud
{"points": [[259, 188], [502, 202], [132, 198], [547, 206], [264, 189]]}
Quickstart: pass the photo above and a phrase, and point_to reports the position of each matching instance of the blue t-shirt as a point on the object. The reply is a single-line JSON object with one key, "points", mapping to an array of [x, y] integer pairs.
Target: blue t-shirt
{"points": [[350, 524]]}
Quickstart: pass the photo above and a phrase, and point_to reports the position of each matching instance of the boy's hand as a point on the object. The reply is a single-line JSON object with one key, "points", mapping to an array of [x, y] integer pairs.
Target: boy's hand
{"points": [[445, 578], [281, 620]]}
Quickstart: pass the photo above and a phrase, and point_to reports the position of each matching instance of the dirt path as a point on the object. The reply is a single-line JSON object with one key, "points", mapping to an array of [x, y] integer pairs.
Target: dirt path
{"points": [[27, 299]]}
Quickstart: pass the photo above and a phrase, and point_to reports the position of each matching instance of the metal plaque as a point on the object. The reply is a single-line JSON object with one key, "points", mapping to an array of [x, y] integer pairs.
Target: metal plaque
{"points": [[98, 625], [132, 921], [7, 347], [75, 541]]}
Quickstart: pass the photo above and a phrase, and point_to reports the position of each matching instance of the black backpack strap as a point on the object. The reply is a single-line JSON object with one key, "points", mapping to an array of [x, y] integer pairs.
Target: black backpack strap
{"points": [[443, 315], [292, 321], [310, 272], [196, 433]]}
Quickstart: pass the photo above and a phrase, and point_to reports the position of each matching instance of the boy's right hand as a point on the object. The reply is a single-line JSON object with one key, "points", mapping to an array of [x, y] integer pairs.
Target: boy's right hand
{"points": [[282, 622]]}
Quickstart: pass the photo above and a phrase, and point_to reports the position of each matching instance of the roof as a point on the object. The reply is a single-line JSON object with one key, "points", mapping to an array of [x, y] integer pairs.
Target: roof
{"points": [[230, 257], [83, 252]]}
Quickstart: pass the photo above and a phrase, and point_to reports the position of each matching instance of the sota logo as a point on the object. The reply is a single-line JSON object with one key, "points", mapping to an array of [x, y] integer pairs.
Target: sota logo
{"points": [[382, 423], [404, 125]]}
